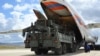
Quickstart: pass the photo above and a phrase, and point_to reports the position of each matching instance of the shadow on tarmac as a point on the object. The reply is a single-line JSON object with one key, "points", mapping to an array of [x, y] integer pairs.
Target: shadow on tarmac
{"points": [[52, 54]]}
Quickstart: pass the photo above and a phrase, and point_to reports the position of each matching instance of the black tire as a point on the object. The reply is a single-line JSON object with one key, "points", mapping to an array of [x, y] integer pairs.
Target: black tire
{"points": [[74, 48], [32, 49], [71, 50], [64, 49], [38, 52], [58, 51], [45, 51]]}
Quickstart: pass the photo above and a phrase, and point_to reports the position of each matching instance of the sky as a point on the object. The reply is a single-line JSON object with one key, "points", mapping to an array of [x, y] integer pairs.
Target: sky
{"points": [[18, 14]]}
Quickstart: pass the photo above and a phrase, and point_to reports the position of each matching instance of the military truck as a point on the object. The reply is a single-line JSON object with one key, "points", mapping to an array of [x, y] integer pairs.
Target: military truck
{"points": [[46, 35]]}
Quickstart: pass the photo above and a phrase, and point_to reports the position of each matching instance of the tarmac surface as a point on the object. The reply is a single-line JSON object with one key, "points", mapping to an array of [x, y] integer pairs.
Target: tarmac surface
{"points": [[27, 52]]}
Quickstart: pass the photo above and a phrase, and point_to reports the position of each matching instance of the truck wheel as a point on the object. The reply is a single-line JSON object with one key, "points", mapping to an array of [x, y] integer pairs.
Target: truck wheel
{"points": [[38, 52], [64, 49], [74, 48], [71, 50], [45, 51], [58, 51]]}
